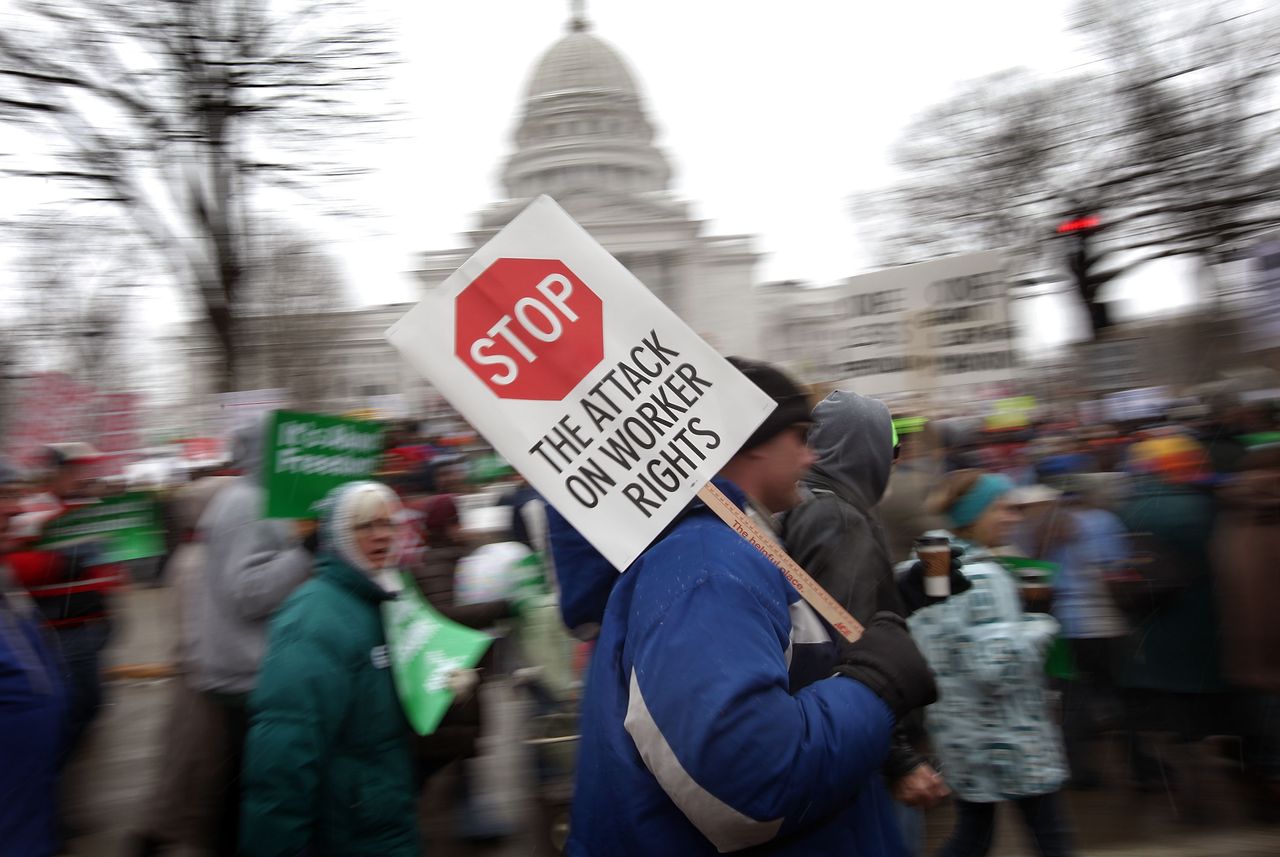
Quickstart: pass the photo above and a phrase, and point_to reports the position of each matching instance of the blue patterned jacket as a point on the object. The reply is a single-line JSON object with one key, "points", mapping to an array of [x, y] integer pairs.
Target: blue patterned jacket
{"points": [[991, 726]]}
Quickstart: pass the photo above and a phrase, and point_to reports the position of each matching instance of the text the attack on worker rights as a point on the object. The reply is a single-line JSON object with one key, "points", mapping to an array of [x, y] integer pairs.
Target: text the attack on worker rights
{"points": [[612, 407]]}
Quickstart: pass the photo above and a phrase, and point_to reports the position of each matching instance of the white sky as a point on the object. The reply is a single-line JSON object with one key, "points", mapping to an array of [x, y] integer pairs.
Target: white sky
{"points": [[772, 114]]}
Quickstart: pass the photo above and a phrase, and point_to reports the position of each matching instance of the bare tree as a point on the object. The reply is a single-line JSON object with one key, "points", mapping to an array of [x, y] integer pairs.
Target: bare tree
{"points": [[294, 319], [177, 111], [1193, 161], [75, 299], [978, 171], [1169, 137]]}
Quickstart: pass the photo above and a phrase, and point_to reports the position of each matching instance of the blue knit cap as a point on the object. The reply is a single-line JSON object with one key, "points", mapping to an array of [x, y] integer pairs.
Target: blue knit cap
{"points": [[989, 488]]}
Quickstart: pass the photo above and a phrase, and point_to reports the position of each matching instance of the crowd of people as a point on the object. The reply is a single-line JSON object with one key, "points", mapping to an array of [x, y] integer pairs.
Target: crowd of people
{"points": [[1098, 586]]}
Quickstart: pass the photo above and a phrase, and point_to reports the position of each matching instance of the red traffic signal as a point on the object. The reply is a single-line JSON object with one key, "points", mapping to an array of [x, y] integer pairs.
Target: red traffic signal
{"points": [[1080, 223]]}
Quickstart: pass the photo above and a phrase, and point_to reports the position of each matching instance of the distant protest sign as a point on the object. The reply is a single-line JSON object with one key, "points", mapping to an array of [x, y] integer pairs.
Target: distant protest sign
{"points": [[929, 326], [126, 528], [245, 408], [608, 403], [52, 407], [308, 455]]}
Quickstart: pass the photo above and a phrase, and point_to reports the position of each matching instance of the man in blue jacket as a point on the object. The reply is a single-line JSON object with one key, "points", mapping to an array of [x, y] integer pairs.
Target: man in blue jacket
{"points": [[692, 740]]}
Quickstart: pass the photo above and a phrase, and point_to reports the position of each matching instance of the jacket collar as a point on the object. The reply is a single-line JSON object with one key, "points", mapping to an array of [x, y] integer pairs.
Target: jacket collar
{"points": [[342, 574], [735, 494]]}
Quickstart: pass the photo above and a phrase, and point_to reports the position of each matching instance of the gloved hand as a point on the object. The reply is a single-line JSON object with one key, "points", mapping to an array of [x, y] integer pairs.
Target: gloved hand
{"points": [[887, 661], [911, 584], [309, 531], [902, 758]]}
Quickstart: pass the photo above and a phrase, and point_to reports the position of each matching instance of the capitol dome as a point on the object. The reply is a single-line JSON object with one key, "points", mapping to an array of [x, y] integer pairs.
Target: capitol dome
{"points": [[583, 127], [580, 62]]}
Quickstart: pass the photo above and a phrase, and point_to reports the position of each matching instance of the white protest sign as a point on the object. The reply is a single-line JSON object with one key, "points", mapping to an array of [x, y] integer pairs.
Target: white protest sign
{"points": [[245, 408], [928, 326], [581, 378]]}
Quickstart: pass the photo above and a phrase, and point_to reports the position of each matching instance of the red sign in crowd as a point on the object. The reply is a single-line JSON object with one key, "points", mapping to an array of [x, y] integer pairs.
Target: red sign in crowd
{"points": [[55, 408]]}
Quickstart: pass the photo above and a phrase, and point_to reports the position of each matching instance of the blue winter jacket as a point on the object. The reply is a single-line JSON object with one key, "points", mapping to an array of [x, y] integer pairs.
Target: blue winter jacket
{"points": [[33, 707], [584, 577], [692, 740]]}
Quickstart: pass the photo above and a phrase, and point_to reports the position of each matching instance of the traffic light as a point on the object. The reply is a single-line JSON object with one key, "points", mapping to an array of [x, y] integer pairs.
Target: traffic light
{"points": [[1081, 266]]}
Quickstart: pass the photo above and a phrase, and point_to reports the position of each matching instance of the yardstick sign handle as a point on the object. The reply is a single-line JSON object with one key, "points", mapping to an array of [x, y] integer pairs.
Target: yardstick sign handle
{"points": [[810, 590]]}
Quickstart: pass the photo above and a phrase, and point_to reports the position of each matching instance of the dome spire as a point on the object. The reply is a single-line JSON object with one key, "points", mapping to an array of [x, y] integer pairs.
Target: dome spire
{"points": [[578, 16]]}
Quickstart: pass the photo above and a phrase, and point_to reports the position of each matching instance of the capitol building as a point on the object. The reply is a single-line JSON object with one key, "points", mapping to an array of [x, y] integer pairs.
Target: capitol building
{"points": [[585, 137]]}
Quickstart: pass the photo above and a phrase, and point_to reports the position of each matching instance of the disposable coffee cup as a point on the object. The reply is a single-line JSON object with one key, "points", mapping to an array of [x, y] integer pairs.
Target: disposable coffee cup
{"points": [[935, 553]]}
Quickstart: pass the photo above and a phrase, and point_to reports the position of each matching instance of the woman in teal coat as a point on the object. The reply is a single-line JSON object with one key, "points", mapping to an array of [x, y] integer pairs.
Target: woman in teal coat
{"points": [[327, 766]]}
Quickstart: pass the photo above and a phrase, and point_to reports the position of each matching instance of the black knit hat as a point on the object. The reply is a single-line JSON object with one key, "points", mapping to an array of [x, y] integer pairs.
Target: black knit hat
{"points": [[793, 402]]}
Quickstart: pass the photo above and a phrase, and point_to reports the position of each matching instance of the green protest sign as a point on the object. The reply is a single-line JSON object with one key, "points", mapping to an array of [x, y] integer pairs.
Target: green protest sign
{"points": [[1038, 573], [308, 455], [425, 648], [126, 527]]}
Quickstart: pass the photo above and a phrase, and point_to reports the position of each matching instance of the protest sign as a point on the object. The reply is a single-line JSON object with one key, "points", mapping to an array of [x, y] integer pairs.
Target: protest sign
{"points": [[308, 455], [53, 407], [115, 426], [424, 648], [1264, 316], [1015, 412], [928, 326], [127, 527], [244, 408], [608, 403]]}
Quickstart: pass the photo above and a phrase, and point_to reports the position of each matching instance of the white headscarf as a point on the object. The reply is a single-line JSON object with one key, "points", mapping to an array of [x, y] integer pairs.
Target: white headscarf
{"points": [[358, 503]]}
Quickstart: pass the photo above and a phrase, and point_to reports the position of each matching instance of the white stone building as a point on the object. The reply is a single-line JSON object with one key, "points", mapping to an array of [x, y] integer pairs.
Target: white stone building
{"points": [[584, 137]]}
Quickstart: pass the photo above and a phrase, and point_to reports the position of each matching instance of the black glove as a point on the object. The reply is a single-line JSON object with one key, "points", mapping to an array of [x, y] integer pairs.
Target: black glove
{"points": [[911, 584], [887, 661], [903, 758]]}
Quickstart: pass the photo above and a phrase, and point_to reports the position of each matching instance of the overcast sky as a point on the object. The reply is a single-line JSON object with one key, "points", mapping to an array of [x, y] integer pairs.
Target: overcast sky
{"points": [[772, 114]]}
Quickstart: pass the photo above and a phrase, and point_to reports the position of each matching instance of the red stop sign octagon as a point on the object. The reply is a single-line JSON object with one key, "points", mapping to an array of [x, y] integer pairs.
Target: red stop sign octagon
{"points": [[529, 328]]}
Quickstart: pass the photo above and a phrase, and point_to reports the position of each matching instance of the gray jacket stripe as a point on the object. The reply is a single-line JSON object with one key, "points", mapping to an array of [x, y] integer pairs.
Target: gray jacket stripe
{"points": [[724, 826], [806, 627]]}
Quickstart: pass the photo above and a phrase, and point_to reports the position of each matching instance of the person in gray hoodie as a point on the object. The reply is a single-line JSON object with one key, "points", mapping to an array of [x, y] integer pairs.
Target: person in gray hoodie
{"points": [[252, 564], [836, 536]]}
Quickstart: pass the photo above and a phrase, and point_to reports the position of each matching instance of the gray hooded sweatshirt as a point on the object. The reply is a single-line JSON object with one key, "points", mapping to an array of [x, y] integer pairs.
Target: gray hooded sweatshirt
{"points": [[835, 534], [252, 565]]}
